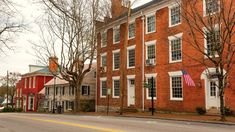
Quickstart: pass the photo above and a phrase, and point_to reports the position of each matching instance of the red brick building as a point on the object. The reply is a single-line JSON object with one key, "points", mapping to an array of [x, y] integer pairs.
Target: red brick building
{"points": [[153, 51], [28, 88]]}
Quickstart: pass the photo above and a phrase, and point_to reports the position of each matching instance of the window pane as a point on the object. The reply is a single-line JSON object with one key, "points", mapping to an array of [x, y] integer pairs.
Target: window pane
{"points": [[103, 89], [117, 35], [176, 50], [176, 87], [131, 55], [151, 24], [212, 88], [175, 15], [151, 51], [116, 87], [104, 59], [211, 6], [104, 39], [212, 41], [131, 30], [116, 60]]}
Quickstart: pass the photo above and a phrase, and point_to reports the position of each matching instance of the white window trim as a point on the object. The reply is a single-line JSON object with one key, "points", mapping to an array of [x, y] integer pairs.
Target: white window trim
{"points": [[113, 79], [116, 51], [176, 74], [105, 31], [101, 80], [114, 28], [204, 9], [130, 48], [147, 76], [174, 37], [150, 43], [205, 41], [131, 22], [146, 22], [169, 8], [130, 76], [103, 54]]}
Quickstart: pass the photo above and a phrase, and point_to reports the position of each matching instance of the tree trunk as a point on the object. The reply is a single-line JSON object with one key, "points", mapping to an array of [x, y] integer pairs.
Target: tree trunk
{"points": [[77, 96], [221, 94]]}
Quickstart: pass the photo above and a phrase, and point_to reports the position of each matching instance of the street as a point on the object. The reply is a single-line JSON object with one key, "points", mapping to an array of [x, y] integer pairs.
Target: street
{"points": [[24, 122]]}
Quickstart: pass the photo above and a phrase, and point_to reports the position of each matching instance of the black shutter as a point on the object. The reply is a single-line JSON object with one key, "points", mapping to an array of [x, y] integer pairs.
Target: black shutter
{"points": [[88, 88]]}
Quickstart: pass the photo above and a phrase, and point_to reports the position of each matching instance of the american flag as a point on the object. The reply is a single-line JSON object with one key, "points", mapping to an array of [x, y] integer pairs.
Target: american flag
{"points": [[189, 81]]}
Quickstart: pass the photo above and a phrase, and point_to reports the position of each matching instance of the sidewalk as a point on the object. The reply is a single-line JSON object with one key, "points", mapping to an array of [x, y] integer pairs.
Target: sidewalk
{"points": [[215, 119]]}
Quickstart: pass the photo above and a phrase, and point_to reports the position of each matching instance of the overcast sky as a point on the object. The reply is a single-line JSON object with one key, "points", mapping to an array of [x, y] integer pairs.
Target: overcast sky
{"points": [[19, 59]]}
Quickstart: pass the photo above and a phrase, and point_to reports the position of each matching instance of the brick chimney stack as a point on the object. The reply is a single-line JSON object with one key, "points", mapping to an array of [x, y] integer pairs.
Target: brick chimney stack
{"points": [[118, 8], [53, 64]]}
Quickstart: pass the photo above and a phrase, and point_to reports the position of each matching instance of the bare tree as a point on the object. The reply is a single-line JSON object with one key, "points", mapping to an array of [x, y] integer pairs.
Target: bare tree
{"points": [[215, 25], [9, 25], [69, 32], [9, 84]]}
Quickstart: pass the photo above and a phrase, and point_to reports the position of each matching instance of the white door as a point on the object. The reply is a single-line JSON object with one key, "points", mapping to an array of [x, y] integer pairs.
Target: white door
{"points": [[213, 100], [131, 92]]}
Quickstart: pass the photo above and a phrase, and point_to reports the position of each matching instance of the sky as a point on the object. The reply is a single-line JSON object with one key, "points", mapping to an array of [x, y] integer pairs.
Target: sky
{"points": [[20, 59]]}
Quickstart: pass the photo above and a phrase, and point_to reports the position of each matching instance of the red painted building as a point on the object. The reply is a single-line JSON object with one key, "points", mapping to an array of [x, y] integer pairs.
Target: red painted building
{"points": [[154, 51], [28, 88]]}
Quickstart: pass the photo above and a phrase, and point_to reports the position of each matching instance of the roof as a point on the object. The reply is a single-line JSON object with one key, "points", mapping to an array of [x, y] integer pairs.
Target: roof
{"points": [[60, 81], [44, 71]]}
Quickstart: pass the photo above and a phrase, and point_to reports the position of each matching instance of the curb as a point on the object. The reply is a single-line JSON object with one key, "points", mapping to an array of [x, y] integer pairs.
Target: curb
{"points": [[185, 120]]}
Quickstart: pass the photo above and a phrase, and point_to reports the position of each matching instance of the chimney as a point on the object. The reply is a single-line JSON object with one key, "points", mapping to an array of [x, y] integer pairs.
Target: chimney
{"points": [[53, 64], [118, 8]]}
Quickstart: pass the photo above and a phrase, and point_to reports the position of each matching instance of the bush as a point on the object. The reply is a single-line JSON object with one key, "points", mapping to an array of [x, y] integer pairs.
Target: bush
{"points": [[200, 110], [9, 109], [18, 110], [228, 111]]}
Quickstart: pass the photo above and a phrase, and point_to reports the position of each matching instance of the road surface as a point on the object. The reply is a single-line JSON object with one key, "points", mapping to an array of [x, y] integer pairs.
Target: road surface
{"points": [[28, 122]]}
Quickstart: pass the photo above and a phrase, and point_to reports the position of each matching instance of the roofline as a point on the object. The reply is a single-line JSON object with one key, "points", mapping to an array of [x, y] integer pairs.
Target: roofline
{"points": [[136, 12]]}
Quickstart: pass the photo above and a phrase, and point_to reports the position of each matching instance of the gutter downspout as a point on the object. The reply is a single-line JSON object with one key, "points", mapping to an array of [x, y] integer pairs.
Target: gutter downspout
{"points": [[143, 89]]}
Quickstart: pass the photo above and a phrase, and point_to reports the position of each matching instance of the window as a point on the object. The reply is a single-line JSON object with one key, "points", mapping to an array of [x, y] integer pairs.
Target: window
{"points": [[34, 82], [30, 82], [210, 6], [213, 88], [103, 88], [212, 42], [104, 39], [176, 85], [47, 90], [25, 83], [103, 60], [151, 23], [116, 35], [116, 59], [131, 31], [131, 57], [71, 90], [62, 90], [149, 81], [85, 90], [174, 15], [116, 87], [94, 74], [151, 51], [70, 105], [56, 90], [175, 48]]}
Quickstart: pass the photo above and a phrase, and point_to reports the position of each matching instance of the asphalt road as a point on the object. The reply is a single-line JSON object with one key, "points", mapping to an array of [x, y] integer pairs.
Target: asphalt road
{"points": [[24, 122]]}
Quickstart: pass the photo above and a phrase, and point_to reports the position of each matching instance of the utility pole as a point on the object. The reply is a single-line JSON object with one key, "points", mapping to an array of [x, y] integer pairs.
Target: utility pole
{"points": [[7, 87]]}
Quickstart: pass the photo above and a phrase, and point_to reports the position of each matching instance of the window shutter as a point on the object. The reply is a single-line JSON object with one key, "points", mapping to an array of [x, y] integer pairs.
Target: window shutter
{"points": [[88, 88]]}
